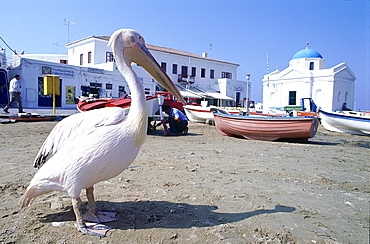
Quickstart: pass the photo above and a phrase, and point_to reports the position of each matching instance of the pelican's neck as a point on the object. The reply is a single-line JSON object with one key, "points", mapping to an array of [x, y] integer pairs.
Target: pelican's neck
{"points": [[138, 115]]}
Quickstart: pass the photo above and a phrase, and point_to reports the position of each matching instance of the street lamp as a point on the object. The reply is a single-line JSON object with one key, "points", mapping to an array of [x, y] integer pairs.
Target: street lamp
{"points": [[247, 77]]}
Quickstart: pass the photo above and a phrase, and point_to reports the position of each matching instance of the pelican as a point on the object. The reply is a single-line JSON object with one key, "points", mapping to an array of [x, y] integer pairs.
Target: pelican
{"points": [[97, 145]]}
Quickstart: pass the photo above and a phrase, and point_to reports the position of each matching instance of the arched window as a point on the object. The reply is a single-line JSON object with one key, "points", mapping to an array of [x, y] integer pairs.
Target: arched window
{"points": [[312, 65]]}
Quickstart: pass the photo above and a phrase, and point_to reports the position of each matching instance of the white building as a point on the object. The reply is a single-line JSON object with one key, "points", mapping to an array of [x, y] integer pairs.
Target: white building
{"points": [[307, 77], [89, 68]]}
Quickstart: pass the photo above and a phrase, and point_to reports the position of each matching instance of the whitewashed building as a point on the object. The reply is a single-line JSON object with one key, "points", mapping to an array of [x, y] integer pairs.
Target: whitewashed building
{"points": [[89, 68], [308, 77]]}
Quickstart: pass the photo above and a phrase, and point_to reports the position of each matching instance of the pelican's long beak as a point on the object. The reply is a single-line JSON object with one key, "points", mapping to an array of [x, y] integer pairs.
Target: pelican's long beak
{"points": [[144, 58]]}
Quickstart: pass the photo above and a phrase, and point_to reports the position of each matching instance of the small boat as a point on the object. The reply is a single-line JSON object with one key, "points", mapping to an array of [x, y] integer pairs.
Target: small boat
{"points": [[86, 104], [353, 122], [26, 117], [267, 128], [201, 114], [90, 103]]}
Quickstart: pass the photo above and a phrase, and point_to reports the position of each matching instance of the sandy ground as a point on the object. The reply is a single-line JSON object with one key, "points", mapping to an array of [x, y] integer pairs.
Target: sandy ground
{"points": [[202, 188]]}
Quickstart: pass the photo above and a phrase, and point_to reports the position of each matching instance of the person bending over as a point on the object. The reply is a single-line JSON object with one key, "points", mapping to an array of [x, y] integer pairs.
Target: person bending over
{"points": [[177, 120]]}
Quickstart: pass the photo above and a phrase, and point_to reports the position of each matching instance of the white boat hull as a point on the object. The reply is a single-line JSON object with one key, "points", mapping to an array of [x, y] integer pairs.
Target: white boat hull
{"points": [[198, 113], [202, 114], [345, 122]]}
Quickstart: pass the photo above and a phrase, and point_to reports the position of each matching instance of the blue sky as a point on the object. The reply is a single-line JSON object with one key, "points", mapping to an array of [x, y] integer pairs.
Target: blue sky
{"points": [[240, 31]]}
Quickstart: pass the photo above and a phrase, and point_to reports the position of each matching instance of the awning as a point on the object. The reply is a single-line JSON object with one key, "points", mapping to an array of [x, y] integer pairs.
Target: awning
{"points": [[201, 92], [216, 95], [187, 94]]}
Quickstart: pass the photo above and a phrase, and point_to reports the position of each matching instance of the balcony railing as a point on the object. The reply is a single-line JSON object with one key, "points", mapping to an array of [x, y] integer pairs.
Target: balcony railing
{"points": [[186, 78]]}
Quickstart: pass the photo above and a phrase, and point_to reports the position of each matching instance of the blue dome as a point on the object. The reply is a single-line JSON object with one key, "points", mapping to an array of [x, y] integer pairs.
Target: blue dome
{"points": [[307, 53]]}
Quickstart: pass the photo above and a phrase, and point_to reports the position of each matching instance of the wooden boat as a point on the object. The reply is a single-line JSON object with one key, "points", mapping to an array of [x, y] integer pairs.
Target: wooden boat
{"points": [[201, 114], [87, 103], [353, 122], [25, 117], [267, 128]]}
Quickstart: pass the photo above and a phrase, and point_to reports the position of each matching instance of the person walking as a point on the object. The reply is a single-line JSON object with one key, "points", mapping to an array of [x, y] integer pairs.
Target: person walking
{"points": [[15, 94]]}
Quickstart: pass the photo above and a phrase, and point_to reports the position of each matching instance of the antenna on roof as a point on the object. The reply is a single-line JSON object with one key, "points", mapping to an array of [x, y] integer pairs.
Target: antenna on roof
{"points": [[267, 63], [55, 46], [307, 45], [67, 22]]}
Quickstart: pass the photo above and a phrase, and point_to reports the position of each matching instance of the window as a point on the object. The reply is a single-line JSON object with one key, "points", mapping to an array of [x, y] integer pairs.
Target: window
{"points": [[109, 57], [193, 71], [227, 75], [174, 69], [237, 99], [81, 59], [292, 97], [312, 65], [63, 61], [89, 57], [212, 74], [203, 73], [164, 66], [109, 86], [184, 70]]}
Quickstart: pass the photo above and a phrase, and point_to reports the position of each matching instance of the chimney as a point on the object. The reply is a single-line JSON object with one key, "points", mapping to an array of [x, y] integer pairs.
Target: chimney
{"points": [[204, 55]]}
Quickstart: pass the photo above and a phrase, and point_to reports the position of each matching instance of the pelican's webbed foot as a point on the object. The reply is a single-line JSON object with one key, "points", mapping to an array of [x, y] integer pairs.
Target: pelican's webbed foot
{"points": [[92, 229]]}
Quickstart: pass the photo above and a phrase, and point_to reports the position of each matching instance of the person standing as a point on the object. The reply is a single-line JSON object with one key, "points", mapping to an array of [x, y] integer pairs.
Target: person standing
{"points": [[15, 94], [177, 120]]}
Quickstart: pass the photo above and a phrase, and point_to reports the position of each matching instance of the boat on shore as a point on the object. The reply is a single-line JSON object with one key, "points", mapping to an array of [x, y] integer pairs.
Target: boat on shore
{"points": [[86, 104], [89, 103], [353, 122], [267, 128], [201, 114]]}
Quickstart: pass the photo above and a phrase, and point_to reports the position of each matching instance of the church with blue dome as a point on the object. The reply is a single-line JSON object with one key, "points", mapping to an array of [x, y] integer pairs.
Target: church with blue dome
{"points": [[308, 77]]}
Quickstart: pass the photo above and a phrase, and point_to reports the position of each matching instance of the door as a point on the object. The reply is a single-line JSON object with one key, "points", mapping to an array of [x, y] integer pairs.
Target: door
{"points": [[237, 100], [4, 89]]}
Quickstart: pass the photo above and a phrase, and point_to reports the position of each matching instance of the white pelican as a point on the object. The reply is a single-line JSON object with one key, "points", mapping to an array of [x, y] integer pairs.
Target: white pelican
{"points": [[97, 145]]}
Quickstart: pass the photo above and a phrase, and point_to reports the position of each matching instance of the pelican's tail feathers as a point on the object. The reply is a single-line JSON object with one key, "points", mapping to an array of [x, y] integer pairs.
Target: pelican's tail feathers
{"points": [[34, 191]]}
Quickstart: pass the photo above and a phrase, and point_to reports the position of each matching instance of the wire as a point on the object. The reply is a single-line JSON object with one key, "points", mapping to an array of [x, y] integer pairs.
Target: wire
{"points": [[12, 49]]}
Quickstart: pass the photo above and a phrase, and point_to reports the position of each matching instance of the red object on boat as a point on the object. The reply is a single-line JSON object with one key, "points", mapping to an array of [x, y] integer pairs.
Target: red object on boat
{"points": [[267, 128], [95, 103], [169, 100]]}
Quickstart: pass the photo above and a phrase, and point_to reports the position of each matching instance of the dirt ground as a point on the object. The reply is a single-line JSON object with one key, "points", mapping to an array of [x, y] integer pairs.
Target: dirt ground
{"points": [[202, 188]]}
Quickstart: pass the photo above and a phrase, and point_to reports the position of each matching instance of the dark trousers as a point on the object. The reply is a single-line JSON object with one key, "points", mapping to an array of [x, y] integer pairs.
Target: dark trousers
{"points": [[177, 127], [15, 97]]}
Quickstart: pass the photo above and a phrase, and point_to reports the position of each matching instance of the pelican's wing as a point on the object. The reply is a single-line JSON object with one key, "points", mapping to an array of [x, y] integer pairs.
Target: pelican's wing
{"points": [[74, 126]]}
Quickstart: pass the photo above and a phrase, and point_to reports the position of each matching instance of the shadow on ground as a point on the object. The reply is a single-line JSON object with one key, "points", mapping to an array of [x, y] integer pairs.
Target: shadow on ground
{"points": [[163, 214]]}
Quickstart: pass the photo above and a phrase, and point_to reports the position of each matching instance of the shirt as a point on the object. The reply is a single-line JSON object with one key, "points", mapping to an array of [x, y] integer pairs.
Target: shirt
{"points": [[177, 114], [14, 85]]}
